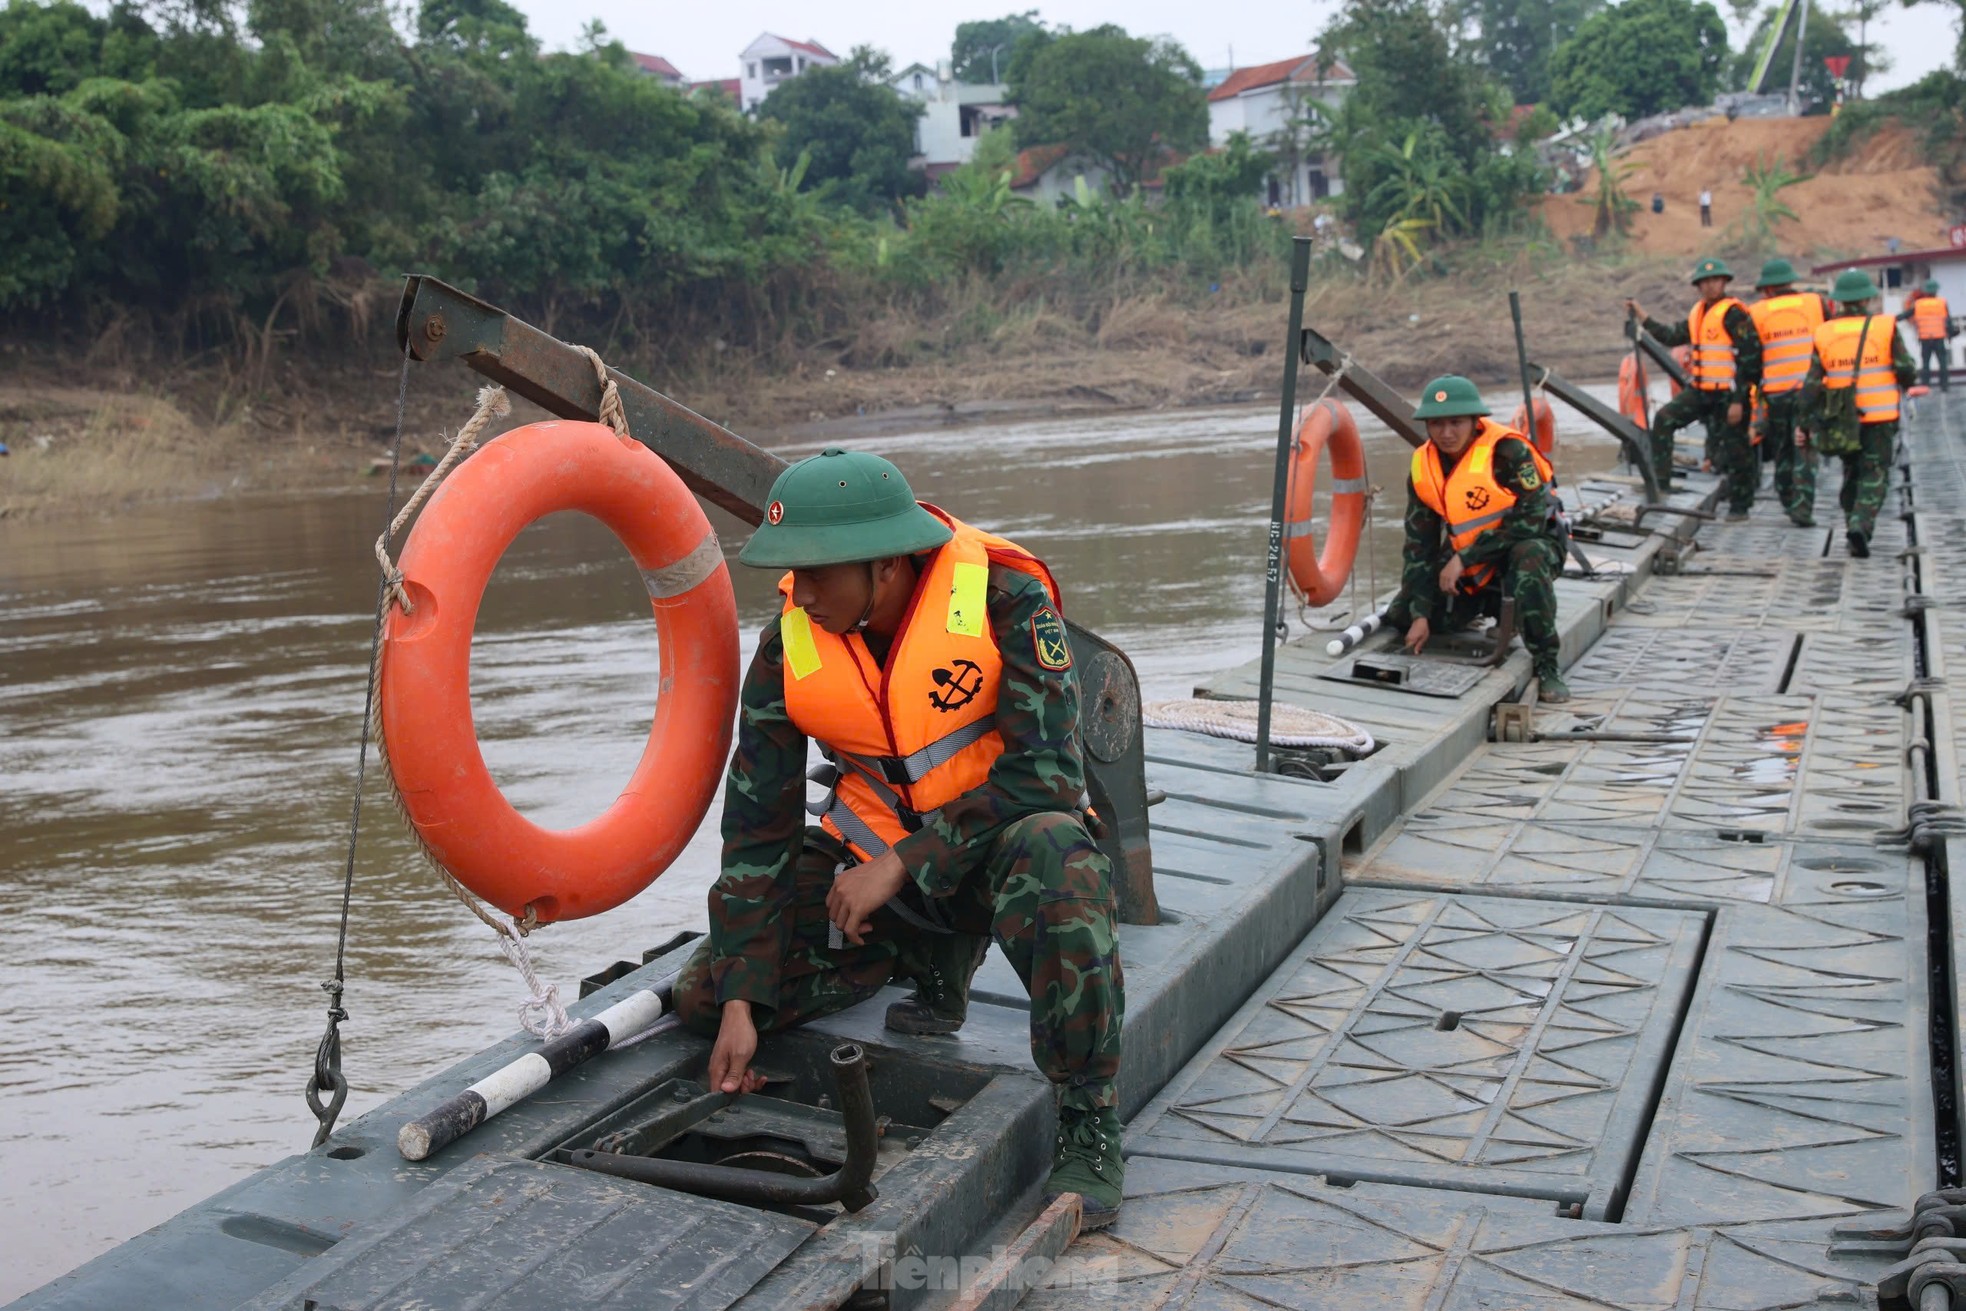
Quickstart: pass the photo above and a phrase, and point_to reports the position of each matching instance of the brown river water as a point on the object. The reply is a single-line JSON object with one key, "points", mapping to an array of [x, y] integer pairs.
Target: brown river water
{"points": [[181, 690]]}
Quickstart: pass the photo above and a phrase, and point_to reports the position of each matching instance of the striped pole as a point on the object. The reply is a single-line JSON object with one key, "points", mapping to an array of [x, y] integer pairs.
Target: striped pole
{"points": [[525, 1076], [1357, 633]]}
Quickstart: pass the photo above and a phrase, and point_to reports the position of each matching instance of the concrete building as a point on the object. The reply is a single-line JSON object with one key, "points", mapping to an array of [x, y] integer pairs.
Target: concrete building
{"points": [[657, 67], [1269, 101], [954, 115], [770, 60]]}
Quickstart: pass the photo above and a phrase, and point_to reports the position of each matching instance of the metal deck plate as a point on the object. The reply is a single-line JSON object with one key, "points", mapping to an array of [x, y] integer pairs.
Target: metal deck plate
{"points": [[1195, 1237], [1424, 677], [501, 1234], [1473, 1043], [1688, 660]]}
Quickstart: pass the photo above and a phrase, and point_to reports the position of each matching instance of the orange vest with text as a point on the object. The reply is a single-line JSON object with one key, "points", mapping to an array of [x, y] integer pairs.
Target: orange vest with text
{"points": [[1875, 379], [916, 733], [1713, 349], [1930, 315], [1468, 497], [1787, 325]]}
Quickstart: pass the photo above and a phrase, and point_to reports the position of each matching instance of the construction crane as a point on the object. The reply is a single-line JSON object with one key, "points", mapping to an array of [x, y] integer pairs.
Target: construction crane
{"points": [[1794, 13]]}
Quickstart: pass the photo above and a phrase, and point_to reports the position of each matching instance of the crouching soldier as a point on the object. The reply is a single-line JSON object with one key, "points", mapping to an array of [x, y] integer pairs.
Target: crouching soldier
{"points": [[1481, 523], [928, 661]]}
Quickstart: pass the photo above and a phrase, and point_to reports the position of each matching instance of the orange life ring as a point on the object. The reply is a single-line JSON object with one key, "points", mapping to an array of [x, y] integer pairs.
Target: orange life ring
{"points": [[1320, 574], [1544, 434], [1682, 356], [1634, 392], [429, 741]]}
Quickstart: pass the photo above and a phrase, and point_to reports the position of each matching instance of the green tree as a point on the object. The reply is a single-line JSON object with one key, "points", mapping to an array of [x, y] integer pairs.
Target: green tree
{"points": [[1640, 57], [1516, 38], [983, 49], [1826, 37], [859, 133], [1124, 101]]}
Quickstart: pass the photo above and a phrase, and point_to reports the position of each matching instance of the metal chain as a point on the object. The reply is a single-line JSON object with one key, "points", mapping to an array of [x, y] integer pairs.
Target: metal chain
{"points": [[327, 1077]]}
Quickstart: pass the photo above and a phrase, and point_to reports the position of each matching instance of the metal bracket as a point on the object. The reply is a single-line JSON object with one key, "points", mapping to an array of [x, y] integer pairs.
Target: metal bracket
{"points": [[439, 322], [1512, 721]]}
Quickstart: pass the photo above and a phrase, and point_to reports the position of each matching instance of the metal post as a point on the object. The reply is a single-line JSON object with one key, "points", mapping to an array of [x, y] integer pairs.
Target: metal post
{"points": [[1522, 363], [1795, 69], [1300, 272]]}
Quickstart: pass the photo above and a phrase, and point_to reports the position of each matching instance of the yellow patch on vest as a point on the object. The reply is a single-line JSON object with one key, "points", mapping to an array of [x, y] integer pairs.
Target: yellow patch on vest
{"points": [[969, 591], [801, 652]]}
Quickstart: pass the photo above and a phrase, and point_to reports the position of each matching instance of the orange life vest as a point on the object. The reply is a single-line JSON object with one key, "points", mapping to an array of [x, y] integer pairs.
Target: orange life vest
{"points": [[1787, 325], [1874, 377], [1468, 497], [1930, 315], [916, 733], [1713, 349]]}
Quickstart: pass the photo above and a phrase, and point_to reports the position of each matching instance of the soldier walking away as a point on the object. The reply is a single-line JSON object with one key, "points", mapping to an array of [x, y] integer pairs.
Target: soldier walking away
{"points": [[1931, 318], [928, 660], [1786, 321], [1706, 207], [1726, 368], [1481, 523], [1850, 399]]}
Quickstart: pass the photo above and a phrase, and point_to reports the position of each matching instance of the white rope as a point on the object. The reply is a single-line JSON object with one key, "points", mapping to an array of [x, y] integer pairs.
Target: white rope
{"points": [[1290, 726], [492, 404]]}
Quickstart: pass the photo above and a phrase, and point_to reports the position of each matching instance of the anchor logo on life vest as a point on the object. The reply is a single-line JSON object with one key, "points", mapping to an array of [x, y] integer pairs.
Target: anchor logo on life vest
{"points": [[959, 685], [1477, 498]]}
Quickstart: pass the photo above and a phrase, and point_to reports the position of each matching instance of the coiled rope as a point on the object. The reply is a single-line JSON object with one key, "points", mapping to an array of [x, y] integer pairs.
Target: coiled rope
{"points": [[1290, 726]]}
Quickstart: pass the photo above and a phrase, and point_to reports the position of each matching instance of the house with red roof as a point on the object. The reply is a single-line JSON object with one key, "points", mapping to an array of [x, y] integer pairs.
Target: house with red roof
{"points": [[770, 60], [1273, 103], [657, 67]]}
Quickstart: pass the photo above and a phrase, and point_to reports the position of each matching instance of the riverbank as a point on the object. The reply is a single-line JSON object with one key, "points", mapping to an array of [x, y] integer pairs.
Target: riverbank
{"points": [[90, 437]]}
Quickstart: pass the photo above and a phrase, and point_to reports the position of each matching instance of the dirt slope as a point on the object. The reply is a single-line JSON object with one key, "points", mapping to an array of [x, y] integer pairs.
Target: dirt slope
{"points": [[1885, 190]]}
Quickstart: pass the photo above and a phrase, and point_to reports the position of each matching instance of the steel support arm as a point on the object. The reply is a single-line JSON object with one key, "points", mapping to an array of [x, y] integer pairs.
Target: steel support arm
{"points": [[1658, 354], [1364, 386], [439, 322], [1637, 448]]}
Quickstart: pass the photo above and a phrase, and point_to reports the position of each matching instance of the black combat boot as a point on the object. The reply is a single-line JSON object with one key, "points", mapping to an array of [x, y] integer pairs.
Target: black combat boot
{"points": [[942, 965], [1859, 544]]}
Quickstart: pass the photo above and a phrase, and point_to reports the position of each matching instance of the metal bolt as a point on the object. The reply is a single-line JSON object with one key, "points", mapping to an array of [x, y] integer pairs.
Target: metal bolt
{"points": [[681, 1094], [433, 327]]}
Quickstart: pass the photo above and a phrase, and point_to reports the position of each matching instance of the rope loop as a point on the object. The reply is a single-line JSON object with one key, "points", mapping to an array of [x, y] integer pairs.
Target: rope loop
{"points": [[610, 411]]}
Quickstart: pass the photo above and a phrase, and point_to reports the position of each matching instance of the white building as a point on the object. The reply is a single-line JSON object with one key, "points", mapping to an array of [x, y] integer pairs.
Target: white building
{"points": [[954, 115], [1264, 100], [770, 60]]}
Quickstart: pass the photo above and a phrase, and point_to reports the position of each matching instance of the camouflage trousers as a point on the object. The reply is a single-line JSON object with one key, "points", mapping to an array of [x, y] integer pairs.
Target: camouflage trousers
{"points": [[1728, 445], [1528, 577], [1867, 476], [1044, 893], [1795, 467]]}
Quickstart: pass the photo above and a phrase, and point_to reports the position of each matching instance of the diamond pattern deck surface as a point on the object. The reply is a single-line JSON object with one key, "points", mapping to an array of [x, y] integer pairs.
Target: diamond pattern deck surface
{"points": [[1503, 1045]]}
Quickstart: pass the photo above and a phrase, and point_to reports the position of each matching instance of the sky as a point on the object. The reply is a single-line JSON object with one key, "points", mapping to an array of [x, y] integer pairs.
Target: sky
{"points": [[703, 40]]}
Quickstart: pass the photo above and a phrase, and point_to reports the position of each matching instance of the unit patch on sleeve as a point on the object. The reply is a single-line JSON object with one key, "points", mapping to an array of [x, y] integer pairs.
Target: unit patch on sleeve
{"points": [[1048, 641]]}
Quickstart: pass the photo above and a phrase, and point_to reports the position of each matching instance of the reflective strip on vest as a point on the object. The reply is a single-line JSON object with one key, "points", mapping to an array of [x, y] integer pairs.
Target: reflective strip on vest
{"points": [[1876, 381], [795, 630], [914, 768], [969, 592], [1713, 349], [1930, 314], [1787, 325]]}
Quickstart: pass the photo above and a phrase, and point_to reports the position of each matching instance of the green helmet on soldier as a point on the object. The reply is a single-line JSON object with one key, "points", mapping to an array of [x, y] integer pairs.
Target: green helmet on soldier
{"points": [[841, 507], [1450, 396], [1711, 268], [1931, 287], [1853, 285], [1776, 273]]}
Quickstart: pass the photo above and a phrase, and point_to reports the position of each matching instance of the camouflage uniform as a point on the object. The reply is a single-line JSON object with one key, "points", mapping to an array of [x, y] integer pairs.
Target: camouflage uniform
{"points": [[1795, 466], [1830, 415], [1524, 547], [1728, 445], [1010, 859]]}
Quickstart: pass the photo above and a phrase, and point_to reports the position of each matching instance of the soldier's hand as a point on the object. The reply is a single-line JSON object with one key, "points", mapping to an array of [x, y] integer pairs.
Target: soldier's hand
{"points": [[737, 1043], [1451, 572], [1631, 307], [1734, 413], [1801, 439], [1417, 635], [860, 891]]}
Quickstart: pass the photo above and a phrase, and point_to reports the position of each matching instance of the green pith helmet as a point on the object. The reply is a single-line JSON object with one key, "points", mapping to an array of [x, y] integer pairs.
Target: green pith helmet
{"points": [[1931, 287], [841, 507], [1776, 273], [1711, 268], [1853, 285], [1450, 397]]}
